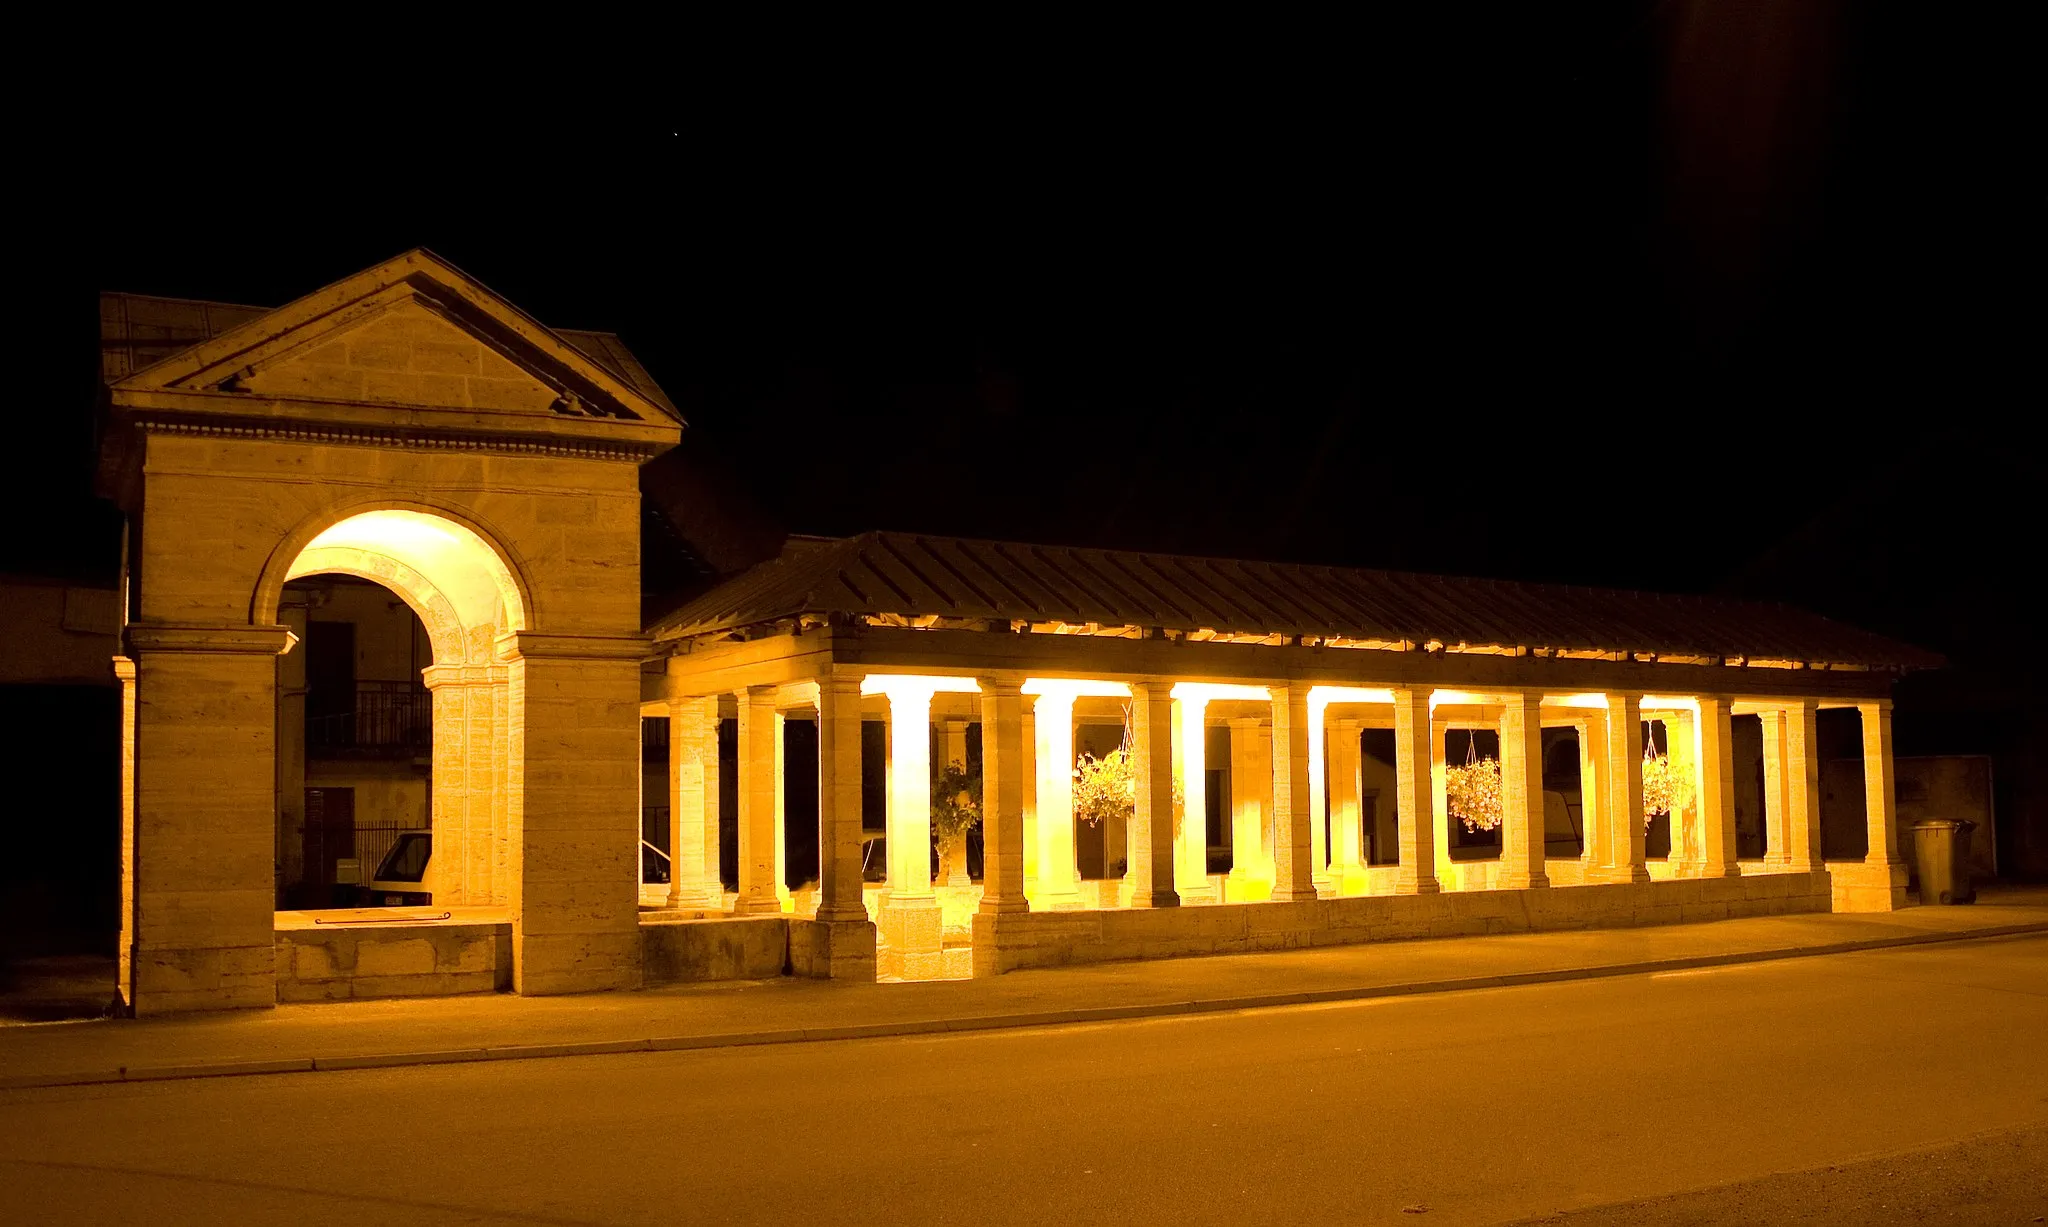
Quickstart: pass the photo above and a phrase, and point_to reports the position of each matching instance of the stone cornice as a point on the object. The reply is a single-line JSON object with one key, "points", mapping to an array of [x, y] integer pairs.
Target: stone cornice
{"points": [[528, 645], [503, 442], [224, 638]]}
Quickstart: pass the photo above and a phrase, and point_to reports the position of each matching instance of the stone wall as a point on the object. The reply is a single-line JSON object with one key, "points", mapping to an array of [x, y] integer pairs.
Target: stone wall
{"points": [[347, 962], [726, 948], [1050, 939]]}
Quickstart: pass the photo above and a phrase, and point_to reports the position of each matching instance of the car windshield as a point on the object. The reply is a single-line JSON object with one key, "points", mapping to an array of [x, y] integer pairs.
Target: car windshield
{"points": [[407, 860]]}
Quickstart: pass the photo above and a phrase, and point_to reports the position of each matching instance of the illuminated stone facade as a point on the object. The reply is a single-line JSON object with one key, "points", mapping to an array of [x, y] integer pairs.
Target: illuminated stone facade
{"points": [[408, 427]]}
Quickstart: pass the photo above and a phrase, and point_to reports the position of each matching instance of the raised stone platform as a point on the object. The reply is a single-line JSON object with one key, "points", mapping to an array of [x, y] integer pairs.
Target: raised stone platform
{"points": [[353, 953]]}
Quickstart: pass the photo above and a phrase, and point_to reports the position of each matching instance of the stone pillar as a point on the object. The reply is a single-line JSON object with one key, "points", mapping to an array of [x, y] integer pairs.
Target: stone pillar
{"points": [[1440, 805], [1717, 789], [1028, 727], [1191, 844], [1883, 866], [573, 810], [1777, 827], [1592, 738], [124, 984], [469, 785], [1688, 854], [1059, 881], [759, 725], [1415, 750], [1802, 787], [1318, 803], [1002, 797], [910, 922], [1293, 866], [841, 923], [1347, 861], [1151, 871], [291, 743], [693, 803], [1619, 856], [1251, 876], [202, 874], [1521, 793], [783, 899], [953, 860]]}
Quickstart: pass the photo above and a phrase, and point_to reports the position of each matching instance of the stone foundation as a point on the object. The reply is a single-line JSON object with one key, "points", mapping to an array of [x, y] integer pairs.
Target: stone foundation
{"points": [[1052, 939], [343, 961], [680, 950]]}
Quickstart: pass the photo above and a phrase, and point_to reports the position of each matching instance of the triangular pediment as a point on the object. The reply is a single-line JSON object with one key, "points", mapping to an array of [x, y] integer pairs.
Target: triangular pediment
{"points": [[412, 342]]}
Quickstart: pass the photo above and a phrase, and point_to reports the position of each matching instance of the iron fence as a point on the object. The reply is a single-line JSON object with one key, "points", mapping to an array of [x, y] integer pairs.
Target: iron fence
{"points": [[388, 716]]}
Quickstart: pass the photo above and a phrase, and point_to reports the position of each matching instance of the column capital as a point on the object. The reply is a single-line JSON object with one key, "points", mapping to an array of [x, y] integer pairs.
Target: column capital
{"points": [[1882, 707], [1000, 683]]}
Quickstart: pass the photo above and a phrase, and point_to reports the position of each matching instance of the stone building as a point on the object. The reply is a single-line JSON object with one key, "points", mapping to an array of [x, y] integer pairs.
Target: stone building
{"points": [[1291, 732]]}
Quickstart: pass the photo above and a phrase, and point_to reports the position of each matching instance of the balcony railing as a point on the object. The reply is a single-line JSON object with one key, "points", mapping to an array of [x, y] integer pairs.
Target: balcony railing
{"points": [[389, 718]]}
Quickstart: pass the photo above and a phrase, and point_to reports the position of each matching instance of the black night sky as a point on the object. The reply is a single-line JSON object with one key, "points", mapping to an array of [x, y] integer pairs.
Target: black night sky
{"points": [[1637, 296]]}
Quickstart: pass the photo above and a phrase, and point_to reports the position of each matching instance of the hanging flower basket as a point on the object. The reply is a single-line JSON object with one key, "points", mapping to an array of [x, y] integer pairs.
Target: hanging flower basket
{"points": [[1667, 787], [1107, 787], [1472, 792]]}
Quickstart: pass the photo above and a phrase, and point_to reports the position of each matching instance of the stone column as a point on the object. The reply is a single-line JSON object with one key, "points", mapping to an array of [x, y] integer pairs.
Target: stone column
{"points": [[1592, 738], [1251, 876], [758, 819], [1028, 727], [693, 803], [1293, 866], [1620, 855], [843, 942], [291, 743], [910, 922], [1347, 863], [1521, 792], [1802, 787], [202, 874], [468, 788], [1318, 803], [1002, 797], [783, 899], [953, 860], [1151, 871], [1882, 862], [1688, 854], [1414, 753], [124, 983], [1717, 789], [1777, 829], [1440, 805], [1059, 880], [1191, 845], [573, 810]]}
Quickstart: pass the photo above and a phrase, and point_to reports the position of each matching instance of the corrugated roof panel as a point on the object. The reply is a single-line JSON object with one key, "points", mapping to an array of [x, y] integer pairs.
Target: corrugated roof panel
{"points": [[889, 573]]}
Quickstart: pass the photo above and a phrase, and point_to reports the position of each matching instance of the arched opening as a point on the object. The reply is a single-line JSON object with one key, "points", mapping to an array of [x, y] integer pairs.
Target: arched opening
{"points": [[447, 717]]}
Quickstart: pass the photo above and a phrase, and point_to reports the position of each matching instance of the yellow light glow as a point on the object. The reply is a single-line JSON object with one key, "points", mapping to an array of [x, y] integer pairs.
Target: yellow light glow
{"points": [[1350, 694], [450, 575], [1662, 702], [1458, 698], [1208, 692], [1075, 688], [913, 684], [1588, 699]]}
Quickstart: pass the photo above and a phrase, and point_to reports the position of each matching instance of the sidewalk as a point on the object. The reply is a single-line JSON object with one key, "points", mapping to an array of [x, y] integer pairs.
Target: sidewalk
{"points": [[367, 1034]]}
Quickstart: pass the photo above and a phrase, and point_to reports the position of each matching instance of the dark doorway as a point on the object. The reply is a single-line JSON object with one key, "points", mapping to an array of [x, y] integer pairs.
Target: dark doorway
{"points": [[330, 836], [331, 683]]}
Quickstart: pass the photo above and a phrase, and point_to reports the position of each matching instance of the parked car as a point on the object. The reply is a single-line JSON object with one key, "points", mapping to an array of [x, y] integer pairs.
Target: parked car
{"points": [[401, 873]]}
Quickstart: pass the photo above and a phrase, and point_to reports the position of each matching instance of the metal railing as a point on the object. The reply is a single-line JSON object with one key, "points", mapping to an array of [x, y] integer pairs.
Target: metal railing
{"points": [[389, 717]]}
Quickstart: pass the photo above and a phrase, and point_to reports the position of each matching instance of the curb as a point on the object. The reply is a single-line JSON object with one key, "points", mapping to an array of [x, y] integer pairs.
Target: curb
{"points": [[986, 1022]]}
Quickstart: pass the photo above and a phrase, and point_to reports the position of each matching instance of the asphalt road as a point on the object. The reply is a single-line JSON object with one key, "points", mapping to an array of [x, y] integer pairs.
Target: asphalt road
{"points": [[1473, 1107]]}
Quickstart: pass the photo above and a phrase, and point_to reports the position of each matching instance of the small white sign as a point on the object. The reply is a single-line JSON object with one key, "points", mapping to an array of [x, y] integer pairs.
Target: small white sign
{"points": [[348, 871]]}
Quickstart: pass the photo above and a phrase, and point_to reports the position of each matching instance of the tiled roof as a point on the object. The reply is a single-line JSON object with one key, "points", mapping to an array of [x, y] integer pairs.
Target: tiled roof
{"points": [[138, 330], [903, 574]]}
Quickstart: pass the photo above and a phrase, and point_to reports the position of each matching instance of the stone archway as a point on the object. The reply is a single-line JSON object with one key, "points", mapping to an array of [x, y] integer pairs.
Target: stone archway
{"points": [[466, 596]]}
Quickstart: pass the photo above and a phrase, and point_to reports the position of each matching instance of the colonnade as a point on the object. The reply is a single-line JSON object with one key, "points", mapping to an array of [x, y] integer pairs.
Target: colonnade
{"points": [[1294, 775]]}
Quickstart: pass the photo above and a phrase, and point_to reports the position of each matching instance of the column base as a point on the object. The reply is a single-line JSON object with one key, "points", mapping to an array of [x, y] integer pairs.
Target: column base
{"points": [[1246, 888], [1618, 875], [1287, 895], [833, 950], [1405, 885], [755, 906], [697, 899], [1524, 881], [1353, 881], [1146, 898], [1861, 886]]}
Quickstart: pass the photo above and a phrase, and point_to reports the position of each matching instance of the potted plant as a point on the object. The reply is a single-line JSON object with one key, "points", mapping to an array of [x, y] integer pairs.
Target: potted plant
{"points": [[956, 809]]}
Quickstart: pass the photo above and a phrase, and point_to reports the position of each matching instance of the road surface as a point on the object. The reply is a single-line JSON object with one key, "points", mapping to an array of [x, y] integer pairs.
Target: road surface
{"points": [[1478, 1107]]}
